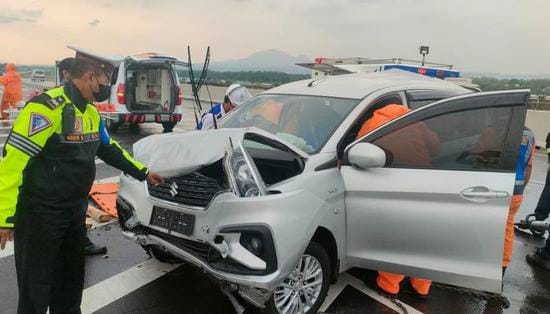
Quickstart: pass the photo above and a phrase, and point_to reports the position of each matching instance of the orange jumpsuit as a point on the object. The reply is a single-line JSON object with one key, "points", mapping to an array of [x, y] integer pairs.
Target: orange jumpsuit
{"points": [[528, 141], [418, 149], [13, 91]]}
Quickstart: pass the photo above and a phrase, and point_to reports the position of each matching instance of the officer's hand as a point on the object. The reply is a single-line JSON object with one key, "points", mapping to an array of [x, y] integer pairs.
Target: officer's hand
{"points": [[5, 236], [154, 178]]}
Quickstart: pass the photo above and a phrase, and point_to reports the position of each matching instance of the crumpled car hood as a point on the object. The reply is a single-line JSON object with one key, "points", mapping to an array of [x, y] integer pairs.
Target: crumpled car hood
{"points": [[181, 153]]}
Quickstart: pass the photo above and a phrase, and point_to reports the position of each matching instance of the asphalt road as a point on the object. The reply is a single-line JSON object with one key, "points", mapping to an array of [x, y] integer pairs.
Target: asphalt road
{"points": [[126, 280]]}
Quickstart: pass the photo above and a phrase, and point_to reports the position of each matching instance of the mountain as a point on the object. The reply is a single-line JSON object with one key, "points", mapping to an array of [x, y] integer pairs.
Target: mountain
{"points": [[268, 60]]}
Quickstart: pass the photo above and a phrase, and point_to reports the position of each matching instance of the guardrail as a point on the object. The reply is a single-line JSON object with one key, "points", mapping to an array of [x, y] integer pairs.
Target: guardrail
{"points": [[539, 122]]}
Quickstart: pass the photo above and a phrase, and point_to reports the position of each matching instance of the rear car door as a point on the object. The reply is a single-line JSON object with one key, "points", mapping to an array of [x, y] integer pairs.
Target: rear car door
{"points": [[438, 209]]}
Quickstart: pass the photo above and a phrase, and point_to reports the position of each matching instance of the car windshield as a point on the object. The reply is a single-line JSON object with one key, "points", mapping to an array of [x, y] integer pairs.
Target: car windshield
{"points": [[305, 121]]}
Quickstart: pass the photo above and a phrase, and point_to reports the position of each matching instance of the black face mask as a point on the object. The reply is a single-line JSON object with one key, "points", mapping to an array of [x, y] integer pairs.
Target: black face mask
{"points": [[103, 93]]}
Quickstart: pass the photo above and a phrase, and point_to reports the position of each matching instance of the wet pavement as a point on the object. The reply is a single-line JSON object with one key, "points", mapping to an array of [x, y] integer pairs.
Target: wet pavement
{"points": [[126, 280]]}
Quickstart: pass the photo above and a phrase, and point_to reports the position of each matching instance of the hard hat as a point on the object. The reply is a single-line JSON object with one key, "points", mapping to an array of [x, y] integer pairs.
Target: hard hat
{"points": [[237, 94]]}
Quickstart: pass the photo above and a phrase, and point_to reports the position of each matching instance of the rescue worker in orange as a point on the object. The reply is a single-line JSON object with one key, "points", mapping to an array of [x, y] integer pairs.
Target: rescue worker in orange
{"points": [[418, 145], [13, 91]]}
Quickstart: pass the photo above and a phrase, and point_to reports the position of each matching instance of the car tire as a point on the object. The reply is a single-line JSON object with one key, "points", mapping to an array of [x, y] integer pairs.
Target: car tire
{"points": [[112, 126], [320, 257], [134, 128], [162, 256], [168, 127]]}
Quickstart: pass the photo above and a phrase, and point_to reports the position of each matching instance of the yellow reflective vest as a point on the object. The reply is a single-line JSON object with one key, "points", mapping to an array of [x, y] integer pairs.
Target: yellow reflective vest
{"points": [[49, 156]]}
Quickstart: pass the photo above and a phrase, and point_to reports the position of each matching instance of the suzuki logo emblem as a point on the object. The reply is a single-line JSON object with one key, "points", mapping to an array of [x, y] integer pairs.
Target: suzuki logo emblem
{"points": [[173, 189]]}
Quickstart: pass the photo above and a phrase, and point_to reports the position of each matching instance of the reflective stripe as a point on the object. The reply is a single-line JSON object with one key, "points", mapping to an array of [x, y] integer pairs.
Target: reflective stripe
{"points": [[23, 144], [27, 140], [22, 148]]}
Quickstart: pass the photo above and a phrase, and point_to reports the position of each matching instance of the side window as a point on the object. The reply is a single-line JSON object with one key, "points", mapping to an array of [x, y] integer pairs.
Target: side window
{"points": [[462, 140], [367, 114]]}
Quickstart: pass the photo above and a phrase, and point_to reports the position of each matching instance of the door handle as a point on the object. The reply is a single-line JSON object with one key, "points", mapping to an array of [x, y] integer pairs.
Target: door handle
{"points": [[482, 193]]}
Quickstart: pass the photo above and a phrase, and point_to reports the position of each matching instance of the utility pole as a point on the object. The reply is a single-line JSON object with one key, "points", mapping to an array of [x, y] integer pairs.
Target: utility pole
{"points": [[424, 50]]}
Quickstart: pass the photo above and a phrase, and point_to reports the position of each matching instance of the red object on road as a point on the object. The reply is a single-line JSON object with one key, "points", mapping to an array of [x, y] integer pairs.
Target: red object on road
{"points": [[104, 195]]}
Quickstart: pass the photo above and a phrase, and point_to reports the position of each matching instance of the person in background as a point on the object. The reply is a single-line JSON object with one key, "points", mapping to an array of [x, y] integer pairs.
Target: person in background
{"points": [[524, 166], [13, 89], [234, 96], [417, 147], [541, 257]]}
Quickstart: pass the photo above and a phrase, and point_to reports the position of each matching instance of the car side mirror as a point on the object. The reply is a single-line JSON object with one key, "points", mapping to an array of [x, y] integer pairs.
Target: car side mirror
{"points": [[367, 155]]}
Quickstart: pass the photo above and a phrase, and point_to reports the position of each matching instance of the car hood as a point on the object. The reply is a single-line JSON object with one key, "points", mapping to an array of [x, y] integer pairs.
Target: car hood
{"points": [[181, 153]]}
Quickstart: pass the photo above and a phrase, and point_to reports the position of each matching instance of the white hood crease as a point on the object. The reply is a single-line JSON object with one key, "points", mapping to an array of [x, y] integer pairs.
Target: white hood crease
{"points": [[181, 153]]}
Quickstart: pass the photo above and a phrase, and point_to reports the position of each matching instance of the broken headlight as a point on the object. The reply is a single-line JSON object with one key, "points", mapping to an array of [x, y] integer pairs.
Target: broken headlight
{"points": [[242, 172]]}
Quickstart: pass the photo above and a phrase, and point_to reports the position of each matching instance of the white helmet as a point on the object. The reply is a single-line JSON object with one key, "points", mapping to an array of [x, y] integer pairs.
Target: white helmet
{"points": [[237, 94]]}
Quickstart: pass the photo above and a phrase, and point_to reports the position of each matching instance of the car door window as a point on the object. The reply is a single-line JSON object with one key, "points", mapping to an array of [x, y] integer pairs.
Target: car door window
{"points": [[462, 140]]}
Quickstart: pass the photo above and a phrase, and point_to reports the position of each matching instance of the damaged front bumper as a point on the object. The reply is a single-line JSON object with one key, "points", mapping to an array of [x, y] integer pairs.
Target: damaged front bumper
{"points": [[254, 285]]}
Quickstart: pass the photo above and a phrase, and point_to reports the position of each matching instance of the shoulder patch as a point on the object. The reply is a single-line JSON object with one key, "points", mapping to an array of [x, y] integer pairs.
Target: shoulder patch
{"points": [[48, 101], [55, 102], [41, 98], [38, 123]]}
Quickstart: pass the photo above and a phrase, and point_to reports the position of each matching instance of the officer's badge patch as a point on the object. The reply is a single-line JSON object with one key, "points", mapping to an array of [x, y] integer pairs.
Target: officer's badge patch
{"points": [[78, 128], [38, 123]]}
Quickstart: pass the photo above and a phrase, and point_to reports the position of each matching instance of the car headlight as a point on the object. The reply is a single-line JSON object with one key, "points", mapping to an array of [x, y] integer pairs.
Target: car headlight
{"points": [[242, 173]]}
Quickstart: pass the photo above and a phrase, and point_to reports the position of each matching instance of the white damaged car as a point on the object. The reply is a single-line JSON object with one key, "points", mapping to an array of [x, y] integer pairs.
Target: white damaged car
{"points": [[284, 196]]}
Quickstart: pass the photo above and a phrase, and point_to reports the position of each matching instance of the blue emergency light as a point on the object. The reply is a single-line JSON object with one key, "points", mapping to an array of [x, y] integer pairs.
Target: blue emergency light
{"points": [[432, 72]]}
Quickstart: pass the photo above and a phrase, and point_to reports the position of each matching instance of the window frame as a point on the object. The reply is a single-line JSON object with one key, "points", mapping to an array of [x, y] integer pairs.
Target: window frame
{"points": [[516, 99]]}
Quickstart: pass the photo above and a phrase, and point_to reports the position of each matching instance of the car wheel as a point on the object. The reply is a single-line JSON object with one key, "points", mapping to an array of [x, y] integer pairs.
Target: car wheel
{"points": [[305, 289], [134, 128], [168, 127], [162, 256], [112, 126]]}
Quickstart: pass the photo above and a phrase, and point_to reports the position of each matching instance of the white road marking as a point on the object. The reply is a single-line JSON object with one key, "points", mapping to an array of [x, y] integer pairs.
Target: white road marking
{"points": [[7, 128], [4, 135], [347, 279], [121, 284], [8, 250]]}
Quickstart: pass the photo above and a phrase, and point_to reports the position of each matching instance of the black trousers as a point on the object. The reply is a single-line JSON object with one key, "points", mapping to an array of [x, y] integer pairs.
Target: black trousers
{"points": [[543, 209], [49, 258]]}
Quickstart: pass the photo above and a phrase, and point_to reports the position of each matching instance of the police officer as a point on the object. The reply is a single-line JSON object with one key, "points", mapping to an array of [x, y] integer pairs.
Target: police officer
{"points": [[45, 177], [64, 71]]}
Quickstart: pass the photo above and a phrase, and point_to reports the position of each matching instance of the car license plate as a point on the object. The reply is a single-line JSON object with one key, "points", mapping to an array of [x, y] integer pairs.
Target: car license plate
{"points": [[172, 220]]}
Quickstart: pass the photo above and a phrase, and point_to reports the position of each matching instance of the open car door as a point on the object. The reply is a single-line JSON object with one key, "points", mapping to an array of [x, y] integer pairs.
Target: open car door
{"points": [[433, 201]]}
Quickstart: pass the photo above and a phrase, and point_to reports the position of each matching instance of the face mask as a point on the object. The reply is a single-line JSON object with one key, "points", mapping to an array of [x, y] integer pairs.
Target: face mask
{"points": [[103, 93]]}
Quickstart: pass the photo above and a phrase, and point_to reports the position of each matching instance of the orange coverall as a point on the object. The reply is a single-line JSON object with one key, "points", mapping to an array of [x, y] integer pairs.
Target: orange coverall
{"points": [[13, 91], [389, 282]]}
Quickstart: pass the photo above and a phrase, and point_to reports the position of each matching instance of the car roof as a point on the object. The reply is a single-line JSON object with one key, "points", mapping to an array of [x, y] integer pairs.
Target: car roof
{"points": [[359, 85], [151, 55]]}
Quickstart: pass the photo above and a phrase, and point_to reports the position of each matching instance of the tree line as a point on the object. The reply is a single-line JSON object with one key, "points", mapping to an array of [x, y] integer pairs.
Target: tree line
{"points": [[537, 86]]}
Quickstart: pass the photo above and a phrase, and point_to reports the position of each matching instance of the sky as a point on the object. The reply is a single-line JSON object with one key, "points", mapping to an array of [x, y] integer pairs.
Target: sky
{"points": [[500, 36]]}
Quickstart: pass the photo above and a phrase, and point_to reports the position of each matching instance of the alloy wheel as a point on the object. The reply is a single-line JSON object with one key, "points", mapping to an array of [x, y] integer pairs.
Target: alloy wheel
{"points": [[301, 289]]}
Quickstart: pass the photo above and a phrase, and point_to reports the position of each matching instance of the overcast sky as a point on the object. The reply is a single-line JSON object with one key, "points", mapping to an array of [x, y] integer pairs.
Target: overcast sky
{"points": [[502, 36]]}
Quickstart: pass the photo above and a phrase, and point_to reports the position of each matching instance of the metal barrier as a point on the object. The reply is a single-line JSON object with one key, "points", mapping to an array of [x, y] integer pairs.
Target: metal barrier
{"points": [[539, 122]]}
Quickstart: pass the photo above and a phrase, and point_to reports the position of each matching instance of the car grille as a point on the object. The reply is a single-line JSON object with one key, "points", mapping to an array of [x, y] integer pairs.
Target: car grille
{"points": [[193, 189]]}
